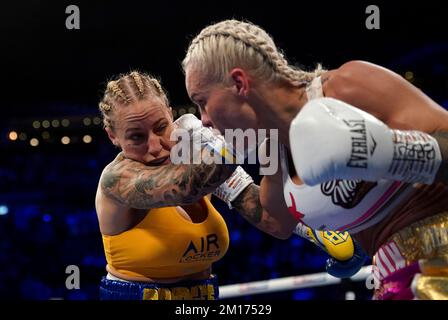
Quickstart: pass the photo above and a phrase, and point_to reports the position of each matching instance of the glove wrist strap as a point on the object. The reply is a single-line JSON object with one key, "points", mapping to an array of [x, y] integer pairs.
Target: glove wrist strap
{"points": [[233, 186], [417, 157]]}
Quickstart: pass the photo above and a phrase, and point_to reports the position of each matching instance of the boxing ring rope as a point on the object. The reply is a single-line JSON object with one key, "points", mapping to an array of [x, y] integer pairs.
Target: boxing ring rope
{"points": [[287, 283]]}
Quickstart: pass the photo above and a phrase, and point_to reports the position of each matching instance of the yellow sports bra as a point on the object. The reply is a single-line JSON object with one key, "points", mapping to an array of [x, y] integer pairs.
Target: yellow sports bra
{"points": [[166, 245]]}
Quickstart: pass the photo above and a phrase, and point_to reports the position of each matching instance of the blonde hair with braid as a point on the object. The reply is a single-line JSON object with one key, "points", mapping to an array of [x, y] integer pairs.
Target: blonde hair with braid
{"points": [[231, 43], [126, 89]]}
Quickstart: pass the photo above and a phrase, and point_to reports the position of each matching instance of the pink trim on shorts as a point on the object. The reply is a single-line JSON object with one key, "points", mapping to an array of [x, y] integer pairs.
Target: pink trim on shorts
{"points": [[373, 209], [389, 259]]}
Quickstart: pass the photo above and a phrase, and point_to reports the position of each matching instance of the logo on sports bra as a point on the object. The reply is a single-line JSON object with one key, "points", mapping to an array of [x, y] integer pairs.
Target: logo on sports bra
{"points": [[207, 250], [347, 193]]}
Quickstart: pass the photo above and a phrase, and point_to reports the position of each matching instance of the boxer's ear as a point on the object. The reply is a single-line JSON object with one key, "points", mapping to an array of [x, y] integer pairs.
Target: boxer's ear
{"points": [[240, 81], [112, 136]]}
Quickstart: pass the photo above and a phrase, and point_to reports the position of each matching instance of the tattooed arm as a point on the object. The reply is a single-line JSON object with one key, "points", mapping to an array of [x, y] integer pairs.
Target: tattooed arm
{"points": [[264, 207], [136, 185]]}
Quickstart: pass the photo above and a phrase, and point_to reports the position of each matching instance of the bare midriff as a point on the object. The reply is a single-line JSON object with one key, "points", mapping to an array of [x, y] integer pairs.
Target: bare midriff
{"points": [[203, 275]]}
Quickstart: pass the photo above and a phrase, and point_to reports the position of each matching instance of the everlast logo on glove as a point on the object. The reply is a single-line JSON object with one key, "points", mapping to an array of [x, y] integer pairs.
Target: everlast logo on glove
{"points": [[358, 156]]}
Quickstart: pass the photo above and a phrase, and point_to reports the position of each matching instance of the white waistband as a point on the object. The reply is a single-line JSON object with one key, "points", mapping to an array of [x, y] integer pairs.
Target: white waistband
{"points": [[112, 277]]}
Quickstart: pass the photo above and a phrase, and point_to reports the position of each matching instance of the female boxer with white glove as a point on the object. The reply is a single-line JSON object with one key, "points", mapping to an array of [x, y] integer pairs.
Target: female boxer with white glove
{"points": [[380, 173], [153, 212]]}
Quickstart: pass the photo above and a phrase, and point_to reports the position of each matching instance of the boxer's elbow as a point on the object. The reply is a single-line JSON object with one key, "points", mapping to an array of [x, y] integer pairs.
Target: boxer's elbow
{"points": [[283, 234], [276, 218], [278, 234], [280, 227]]}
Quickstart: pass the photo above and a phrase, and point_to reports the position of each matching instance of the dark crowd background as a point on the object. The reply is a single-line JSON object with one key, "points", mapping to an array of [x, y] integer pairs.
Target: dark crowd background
{"points": [[53, 148]]}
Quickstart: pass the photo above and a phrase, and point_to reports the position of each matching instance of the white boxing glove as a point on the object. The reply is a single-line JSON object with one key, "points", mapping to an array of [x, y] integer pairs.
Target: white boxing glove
{"points": [[233, 186], [190, 128], [331, 139], [188, 121], [239, 180], [211, 139]]}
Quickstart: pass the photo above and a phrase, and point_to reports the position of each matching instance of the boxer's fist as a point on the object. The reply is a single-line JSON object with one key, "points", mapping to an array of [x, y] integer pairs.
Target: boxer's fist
{"points": [[338, 244], [188, 121], [331, 139], [347, 268], [197, 132], [218, 150]]}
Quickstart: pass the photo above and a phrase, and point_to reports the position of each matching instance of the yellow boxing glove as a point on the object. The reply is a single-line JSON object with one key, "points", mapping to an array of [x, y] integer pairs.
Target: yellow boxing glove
{"points": [[337, 244], [346, 256]]}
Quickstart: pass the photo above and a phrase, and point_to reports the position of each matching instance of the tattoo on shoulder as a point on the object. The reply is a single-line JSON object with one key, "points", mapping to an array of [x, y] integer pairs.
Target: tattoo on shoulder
{"points": [[109, 180], [142, 187]]}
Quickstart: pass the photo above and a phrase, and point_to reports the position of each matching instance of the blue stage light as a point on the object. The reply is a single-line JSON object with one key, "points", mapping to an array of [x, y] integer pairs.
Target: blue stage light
{"points": [[4, 210]]}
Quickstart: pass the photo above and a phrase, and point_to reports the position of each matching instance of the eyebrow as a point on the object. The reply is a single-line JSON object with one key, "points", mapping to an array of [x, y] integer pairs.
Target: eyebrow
{"points": [[139, 128], [132, 129], [158, 122]]}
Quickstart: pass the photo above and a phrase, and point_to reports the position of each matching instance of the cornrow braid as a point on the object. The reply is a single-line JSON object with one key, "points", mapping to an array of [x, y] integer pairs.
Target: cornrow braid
{"points": [[253, 37], [128, 88], [104, 107], [114, 87], [105, 110], [157, 86], [139, 82]]}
